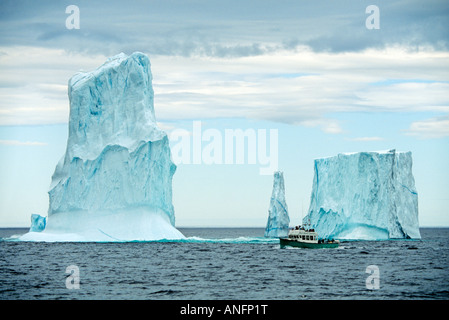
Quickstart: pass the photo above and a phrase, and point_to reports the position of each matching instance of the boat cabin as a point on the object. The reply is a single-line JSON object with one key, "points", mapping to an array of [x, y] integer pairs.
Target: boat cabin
{"points": [[306, 238], [302, 234]]}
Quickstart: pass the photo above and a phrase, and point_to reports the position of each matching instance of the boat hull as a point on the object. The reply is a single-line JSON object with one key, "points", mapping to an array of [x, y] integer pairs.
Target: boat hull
{"points": [[293, 243]]}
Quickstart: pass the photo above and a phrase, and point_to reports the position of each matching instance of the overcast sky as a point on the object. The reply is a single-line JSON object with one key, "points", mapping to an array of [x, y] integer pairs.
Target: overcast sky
{"points": [[308, 68]]}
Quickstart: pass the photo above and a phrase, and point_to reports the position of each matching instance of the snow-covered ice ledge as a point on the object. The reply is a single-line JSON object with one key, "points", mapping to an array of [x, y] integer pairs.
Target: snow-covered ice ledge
{"points": [[134, 224]]}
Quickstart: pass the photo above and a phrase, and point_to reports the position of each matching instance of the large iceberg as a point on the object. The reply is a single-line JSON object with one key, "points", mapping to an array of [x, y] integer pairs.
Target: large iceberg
{"points": [[115, 180], [366, 195], [278, 219]]}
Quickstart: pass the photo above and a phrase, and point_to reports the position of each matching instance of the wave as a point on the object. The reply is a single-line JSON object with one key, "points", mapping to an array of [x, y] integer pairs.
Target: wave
{"points": [[219, 240], [193, 239]]}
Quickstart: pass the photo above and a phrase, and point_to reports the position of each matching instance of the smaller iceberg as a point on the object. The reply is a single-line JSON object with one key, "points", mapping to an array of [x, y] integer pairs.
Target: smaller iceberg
{"points": [[38, 223], [278, 219], [365, 196]]}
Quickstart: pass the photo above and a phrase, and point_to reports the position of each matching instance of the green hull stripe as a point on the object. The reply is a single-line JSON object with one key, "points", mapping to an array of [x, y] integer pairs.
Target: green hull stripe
{"points": [[285, 242]]}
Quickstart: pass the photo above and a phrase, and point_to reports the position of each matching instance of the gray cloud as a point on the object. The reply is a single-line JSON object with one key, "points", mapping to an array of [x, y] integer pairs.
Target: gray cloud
{"points": [[222, 28], [294, 76], [437, 127]]}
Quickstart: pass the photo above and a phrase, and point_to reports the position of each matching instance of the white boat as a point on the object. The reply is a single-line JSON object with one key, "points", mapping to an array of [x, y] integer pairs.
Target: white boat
{"points": [[306, 238]]}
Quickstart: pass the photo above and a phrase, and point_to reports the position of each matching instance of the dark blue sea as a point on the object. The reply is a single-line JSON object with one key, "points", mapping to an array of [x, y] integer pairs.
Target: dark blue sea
{"points": [[225, 264]]}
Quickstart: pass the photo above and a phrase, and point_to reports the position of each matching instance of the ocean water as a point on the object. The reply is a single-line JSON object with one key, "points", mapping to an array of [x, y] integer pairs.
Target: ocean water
{"points": [[225, 264]]}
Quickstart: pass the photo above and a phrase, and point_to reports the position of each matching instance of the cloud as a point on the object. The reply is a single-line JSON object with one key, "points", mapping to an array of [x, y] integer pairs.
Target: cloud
{"points": [[406, 96], [21, 143], [299, 87], [219, 29], [366, 139], [33, 84], [296, 62], [437, 127], [317, 86], [326, 125]]}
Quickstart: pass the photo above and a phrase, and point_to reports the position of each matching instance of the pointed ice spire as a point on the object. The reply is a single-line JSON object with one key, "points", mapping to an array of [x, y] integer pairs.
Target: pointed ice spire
{"points": [[278, 219]]}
